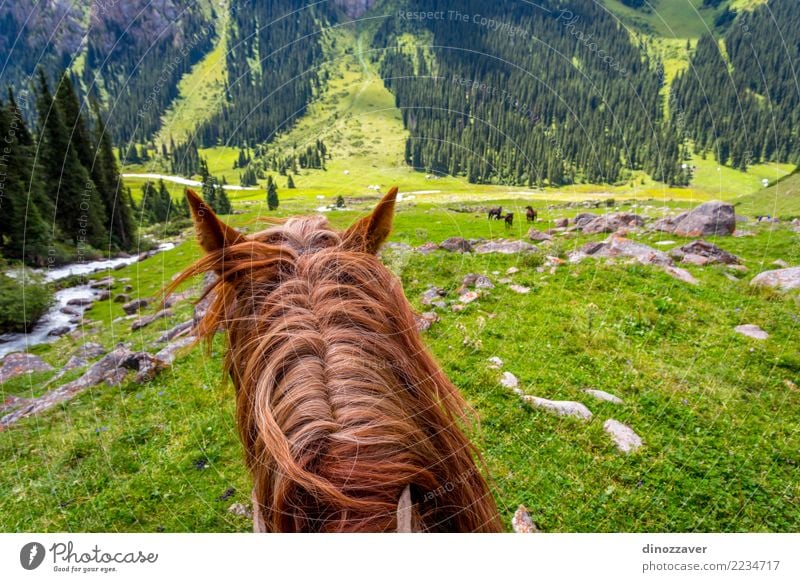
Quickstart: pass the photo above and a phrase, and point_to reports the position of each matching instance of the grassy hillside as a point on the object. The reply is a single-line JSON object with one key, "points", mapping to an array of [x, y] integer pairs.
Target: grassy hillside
{"points": [[781, 200], [716, 410]]}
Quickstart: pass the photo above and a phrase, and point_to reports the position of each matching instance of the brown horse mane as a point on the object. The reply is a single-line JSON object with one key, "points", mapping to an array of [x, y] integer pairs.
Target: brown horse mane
{"points": [[340, 406]]}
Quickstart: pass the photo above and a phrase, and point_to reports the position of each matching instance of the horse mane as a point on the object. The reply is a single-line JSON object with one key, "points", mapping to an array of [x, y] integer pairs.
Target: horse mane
{"points": [[339, 404]]}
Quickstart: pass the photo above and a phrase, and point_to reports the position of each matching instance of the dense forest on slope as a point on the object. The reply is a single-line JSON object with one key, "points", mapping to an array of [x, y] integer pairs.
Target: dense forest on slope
{"points": [[274, 49], [741, 100], [62, 196]]}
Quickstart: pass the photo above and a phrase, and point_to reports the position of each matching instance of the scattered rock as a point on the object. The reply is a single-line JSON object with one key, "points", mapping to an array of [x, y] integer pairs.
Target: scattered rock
{"points": [[504, 247], [477, 281], [74, 362], [127, 288], [103, 295], [70, 311], [623, 436], [709, 219], [697, 260], [168, 353], [426, 320], [241, 509], [702, 249], [783, 279], [112, 369], [681, 275], [752, 331], [561, 222], [495, 363], [603, 395], [105, 283], [583, 218], [427, 248], [90, 350], [662, 243], [148, 319], [612, 223], [520, 289], [122, 298], [21, 363], [59, 331], [617, 246], [781, 263], [509, 380], [561, 407], [538, 235], [512, 271], [468, 297], [80, 301], [177, 331], [177, 298], [133, 306], [522, 522], [456, 244]]}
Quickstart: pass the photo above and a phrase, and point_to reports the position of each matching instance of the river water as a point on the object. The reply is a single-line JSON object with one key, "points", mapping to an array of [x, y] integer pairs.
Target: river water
{"points": [[56, 317]]}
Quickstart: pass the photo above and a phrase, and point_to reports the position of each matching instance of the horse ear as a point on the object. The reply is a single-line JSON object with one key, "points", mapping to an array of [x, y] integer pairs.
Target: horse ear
{"points": [[212, 233], [367, 235]]}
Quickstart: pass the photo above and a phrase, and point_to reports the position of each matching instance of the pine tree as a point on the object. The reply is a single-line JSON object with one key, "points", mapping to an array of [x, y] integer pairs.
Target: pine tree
{"points": [[272, 194], [290, 182]]}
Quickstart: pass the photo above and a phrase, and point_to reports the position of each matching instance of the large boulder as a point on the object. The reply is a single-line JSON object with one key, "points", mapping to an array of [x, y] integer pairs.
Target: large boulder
{"points": [[538, 236], [707, 250], [713, 218], [504, 247], [610, 222], [21, 363], [783, 279], [134, 306], [456, 244], [618, 246]]}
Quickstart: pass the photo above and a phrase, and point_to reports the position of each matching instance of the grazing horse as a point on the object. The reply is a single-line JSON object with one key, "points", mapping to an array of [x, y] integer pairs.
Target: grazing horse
{"points": [[496, 213], [530, 214], [348, 424], [509, 218]]}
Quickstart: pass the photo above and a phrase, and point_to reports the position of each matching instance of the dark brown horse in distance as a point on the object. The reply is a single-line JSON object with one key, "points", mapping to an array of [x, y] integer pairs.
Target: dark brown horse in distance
{"points": [[530, 214], [348, 423], [496, 213]]}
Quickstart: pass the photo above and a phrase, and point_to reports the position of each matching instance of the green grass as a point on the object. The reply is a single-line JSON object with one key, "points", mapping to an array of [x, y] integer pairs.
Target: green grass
{"points": [[715, 410], [782, 199]]}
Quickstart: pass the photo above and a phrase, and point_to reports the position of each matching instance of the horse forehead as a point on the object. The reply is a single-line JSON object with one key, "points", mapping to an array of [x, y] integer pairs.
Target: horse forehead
{"points": [[298, 227]]}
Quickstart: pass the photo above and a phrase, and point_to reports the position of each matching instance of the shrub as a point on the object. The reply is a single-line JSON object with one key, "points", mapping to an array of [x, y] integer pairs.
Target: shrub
{"points": [[23, 301]]}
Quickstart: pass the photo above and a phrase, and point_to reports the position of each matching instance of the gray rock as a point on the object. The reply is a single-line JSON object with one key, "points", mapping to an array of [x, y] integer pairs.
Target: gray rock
{"points": [[681, 275], [169, 352], [122, 298], [509, 380], [133, 306], [504, 247], [426, 320], [59, 331], [477, 281], [612, 223], [181, 329], [456, 244], [148, 319], [561, 222], [538, 235], [105, 283], [583, 218], [80, 301], [103, 295], [700, 248], [70, 311], [560, 407], [709, 219], [495, 363], [522, 522], [783, 279], [90, 350], [623, 436], [603, 395], [427, 248], [431, 295], [21, 363], [752, 331], [617, 246]]}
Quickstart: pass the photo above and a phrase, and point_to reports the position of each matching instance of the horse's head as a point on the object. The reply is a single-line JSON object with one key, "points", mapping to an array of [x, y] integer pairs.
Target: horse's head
{"points": [[347, 422]]}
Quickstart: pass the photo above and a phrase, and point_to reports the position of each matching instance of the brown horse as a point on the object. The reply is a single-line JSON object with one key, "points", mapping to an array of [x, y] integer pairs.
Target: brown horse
{"points": [[530, 214], [509, 219], [348, 423]]}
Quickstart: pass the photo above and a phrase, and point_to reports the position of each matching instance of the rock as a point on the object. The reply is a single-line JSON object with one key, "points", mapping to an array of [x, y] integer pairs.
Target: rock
{"points": [[783, 279], [538, 235], [697, 260], [105, 283], [177, 298], [612, 223], [122, 298], [127, 288], [468, 297], [560, 407], [623, 436], [781, 263], [456, 244], [90, 350], [431, 295], [70, 311], [182, 328], [133, 306], [561, 222], [681, 275], [59, 331], [583, 218], [80, 301], [662, 243], [603, 395], [504, 247], [617, 246], [426, 320], [477, 281], [427, 248], [709, 219], [148, 319], [520, 289], [103, 295], [74, 362], [495, 363], [700, 248], [168, 353], [241, 510], [512, 271], [752, 331], [509, 380], [111, 369], [522, 522], [21, 363]]}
